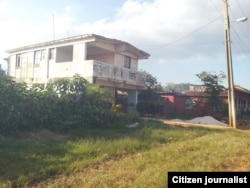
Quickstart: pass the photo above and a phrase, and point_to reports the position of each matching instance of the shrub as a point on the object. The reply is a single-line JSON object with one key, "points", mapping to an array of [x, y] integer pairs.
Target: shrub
{"points": [[63, 105]]}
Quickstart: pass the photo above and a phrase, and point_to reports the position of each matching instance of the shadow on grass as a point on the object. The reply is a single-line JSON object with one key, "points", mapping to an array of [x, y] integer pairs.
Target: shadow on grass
{"points": [[27, 162], [24, 161]]}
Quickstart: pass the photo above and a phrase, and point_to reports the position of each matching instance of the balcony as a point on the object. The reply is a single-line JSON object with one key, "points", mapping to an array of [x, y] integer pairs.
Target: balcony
{"points": [[115, 74]]}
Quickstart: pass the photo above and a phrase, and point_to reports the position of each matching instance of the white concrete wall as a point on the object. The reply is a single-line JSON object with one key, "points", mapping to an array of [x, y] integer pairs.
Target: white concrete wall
{"points": [[132, 96], [12, 66], [109, 66], [107, 58], [119, 61], [107, 46], [62, 69]]}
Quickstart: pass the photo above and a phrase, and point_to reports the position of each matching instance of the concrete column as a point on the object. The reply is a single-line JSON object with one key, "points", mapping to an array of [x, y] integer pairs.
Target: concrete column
{"points": [[132, 100]]}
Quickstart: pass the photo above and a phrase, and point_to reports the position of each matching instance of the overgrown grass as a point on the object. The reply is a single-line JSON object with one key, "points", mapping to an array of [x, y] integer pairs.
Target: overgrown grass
{"points": [[121, 157]]}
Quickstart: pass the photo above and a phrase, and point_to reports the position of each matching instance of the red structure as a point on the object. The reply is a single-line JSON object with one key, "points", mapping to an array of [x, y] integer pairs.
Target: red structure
{"points": [[193, 103]]}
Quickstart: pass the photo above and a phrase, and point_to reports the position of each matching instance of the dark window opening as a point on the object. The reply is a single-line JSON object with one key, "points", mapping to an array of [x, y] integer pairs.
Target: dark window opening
{"points": [[64, 54], [37, 57], [52, 53], [132, 76], [18, 60], [127, 62]]}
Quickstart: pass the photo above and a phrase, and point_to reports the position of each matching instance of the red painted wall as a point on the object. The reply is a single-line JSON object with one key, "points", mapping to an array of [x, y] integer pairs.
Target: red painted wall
{"points": [[177, 103]]}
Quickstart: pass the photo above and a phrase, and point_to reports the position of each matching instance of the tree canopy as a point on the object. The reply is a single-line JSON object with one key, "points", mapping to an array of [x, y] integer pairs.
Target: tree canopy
{"points": [[172, 87], [149, 102], [212, 84]]}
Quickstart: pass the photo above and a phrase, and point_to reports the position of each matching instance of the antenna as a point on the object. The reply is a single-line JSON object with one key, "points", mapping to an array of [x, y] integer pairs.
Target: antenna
{"points": [[53, 26]]}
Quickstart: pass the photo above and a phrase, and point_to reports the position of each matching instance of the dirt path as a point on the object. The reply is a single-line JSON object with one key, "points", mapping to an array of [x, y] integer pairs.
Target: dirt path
{"points": [[241, 126]]}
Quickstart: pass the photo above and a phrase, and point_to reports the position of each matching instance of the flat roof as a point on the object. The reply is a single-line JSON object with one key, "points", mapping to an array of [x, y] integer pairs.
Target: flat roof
{"points": [[90, 37]]}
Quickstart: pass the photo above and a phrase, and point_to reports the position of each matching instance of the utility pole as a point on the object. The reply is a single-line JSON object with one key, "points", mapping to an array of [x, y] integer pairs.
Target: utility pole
{"points": [[231, 99]]}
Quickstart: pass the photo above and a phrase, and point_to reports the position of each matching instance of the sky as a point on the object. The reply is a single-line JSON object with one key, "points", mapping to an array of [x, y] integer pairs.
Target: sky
{"points": [[183, 37]]}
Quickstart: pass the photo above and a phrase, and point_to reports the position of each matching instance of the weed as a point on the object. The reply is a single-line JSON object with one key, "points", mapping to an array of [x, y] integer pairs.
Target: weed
{"points": [[121, 156]]}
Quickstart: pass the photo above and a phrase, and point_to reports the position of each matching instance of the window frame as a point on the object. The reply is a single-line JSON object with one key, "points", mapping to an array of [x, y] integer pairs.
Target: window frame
{"points": [[37, 57], [127, 62], [18, 60], [52, 53]]}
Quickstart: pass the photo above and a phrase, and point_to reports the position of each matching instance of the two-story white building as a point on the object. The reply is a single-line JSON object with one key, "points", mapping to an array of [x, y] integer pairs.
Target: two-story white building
{"points": [[104, 61]]}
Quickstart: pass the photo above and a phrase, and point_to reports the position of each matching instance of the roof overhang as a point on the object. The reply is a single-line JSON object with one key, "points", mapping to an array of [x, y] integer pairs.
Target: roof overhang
{"points": [[120, 46], [52, 43]]}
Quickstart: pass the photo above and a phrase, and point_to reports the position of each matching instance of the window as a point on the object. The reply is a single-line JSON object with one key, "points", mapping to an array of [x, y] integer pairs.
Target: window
{"points": [[127, 62], [132, 76], [164, 100], [64, 54], [18, 60], [52, 53], [37, 57], [43, 54], [190, 104]]}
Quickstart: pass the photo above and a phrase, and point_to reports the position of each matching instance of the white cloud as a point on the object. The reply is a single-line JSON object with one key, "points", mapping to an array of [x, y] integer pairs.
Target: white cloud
{"points": [[68, 9], [172, 32], [152, 26], [4, 8]]}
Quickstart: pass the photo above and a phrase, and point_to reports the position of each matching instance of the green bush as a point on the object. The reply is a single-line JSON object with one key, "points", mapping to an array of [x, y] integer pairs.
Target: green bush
{"points": [[63, 105]]}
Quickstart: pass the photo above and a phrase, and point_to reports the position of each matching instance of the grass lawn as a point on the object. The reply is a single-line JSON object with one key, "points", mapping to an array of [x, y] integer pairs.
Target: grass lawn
{"points": [[119, 157]]}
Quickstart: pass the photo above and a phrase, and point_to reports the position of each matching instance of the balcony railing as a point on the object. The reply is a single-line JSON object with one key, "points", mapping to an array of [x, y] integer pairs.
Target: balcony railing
{"points": [[115, 73]]}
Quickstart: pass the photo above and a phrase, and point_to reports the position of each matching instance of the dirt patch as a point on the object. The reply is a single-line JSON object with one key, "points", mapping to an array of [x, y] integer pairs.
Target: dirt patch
{"points": [[244, 127], [207, 121], [241, 124], [43, 134]]}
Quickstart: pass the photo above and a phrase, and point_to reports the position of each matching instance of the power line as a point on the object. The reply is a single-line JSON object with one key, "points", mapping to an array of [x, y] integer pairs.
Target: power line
{"points": [[239, 42], [238, 39], [185, 36], [244, 48], [242, 11], [218, 10], [246, 37]]}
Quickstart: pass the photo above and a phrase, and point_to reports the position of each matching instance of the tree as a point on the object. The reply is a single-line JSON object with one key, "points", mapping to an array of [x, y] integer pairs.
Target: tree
{"points": [[149, 102], [151, 81], [172, 87], [212, 84], [64, 104]]}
